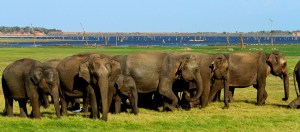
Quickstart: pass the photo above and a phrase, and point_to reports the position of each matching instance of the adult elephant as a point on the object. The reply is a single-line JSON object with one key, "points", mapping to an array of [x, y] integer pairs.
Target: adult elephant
{"points": [[296, 77], [26, 79], [155, 71], [86, 75], [246, 69]]}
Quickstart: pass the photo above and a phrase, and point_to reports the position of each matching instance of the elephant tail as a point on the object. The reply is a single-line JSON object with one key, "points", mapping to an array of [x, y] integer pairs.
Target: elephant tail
{"points": [[295, 86]]}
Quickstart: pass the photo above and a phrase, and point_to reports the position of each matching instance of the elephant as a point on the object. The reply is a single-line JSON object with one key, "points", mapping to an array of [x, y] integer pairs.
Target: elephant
{"points": [[124, 88], [86, 75], [246, 69], [26, 79], [296, 77], [220, 76], [208, 65], [51, 64], [156, 72]]}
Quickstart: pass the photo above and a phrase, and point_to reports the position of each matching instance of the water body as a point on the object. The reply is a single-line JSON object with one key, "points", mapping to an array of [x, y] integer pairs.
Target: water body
{"points": [[154, 41]]}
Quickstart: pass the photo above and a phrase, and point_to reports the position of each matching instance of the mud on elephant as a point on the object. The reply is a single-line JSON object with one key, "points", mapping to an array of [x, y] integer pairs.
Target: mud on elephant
{"points": [[27, 79]]}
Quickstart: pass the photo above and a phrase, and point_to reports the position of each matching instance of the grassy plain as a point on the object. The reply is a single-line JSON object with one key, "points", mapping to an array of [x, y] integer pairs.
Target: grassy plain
{"points": [[242, 115]]}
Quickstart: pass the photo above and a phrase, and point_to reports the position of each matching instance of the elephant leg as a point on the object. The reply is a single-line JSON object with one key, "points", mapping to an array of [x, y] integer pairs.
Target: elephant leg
{"points": [[8, 110], [217, 86], [165, 89], [231, 94], [117, 100], [261, 92], [35, 105], [93, 101], [64, 105], [217, 97], [205, 95], [265, 96], [23, 109], [45, 100]]}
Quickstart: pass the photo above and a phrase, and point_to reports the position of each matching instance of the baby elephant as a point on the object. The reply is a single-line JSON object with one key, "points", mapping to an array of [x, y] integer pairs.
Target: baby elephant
{"points": [[124, 88], [27, 79], [296, 74]]}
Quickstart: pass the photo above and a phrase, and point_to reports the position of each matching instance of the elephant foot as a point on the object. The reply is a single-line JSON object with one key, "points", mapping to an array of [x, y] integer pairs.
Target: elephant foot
{"points": [[104, 119], [168, 107], [260, 104], [9, 115], [225, 107]]}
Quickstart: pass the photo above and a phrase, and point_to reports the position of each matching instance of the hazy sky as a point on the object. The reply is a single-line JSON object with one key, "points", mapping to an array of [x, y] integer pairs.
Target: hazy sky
{"points": [[153, 15]]}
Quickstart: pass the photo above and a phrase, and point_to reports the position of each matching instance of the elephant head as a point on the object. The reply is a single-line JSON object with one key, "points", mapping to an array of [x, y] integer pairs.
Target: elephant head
{"points": [[126, 86], [278, 67], [219, 67], [190, 72], [97, 72], [47, 80]]}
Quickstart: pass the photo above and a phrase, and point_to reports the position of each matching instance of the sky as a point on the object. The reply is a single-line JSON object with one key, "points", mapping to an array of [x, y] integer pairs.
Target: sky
{"points": [[153, 15]]}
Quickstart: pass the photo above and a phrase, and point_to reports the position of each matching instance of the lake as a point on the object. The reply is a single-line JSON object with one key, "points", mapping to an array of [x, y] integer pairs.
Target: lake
{"points": [[152, 40]]}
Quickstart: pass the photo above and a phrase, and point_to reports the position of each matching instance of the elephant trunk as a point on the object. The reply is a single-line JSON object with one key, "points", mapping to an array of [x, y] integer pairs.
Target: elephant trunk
{"points": [[199, 84], [286, 84], [55, 97], [134, 102], [103, 85]]}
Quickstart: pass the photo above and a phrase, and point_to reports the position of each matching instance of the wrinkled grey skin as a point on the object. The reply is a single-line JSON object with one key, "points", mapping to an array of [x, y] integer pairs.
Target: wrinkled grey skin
{"points": [[125, 88], [86, 75], [26, 79], [246, 69], [154, 71], [296, 77], [50, 64]]}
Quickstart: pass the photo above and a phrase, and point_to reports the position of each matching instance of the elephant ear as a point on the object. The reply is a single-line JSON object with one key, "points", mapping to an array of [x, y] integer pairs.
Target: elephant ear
{"points": [[182, 63], [273, 59], [84, 71], [119, 82], [36, 76], [115, 69]]}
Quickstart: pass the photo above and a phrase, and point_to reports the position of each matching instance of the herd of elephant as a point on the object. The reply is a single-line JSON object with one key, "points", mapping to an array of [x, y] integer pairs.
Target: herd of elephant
{"points": [[105, 82]]}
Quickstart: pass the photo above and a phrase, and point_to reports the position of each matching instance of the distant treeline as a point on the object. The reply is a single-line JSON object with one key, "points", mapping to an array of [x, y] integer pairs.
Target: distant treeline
{"points": [[8, 30]]}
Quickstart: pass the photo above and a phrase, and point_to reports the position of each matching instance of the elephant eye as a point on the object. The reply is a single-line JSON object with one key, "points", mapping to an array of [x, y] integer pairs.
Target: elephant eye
{"points": [[284, 64]]}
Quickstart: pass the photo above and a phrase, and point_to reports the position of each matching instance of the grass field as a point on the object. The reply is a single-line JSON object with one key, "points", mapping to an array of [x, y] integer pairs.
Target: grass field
{"points": [[242, 115]]}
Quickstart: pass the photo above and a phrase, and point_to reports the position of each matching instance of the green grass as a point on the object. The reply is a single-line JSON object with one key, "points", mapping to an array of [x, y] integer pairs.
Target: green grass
{"points": [[242, 115]]}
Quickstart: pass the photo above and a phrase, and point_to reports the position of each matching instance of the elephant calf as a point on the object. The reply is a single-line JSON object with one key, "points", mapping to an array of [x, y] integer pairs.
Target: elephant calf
{"points": [[27, 79], [124, 88]]}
